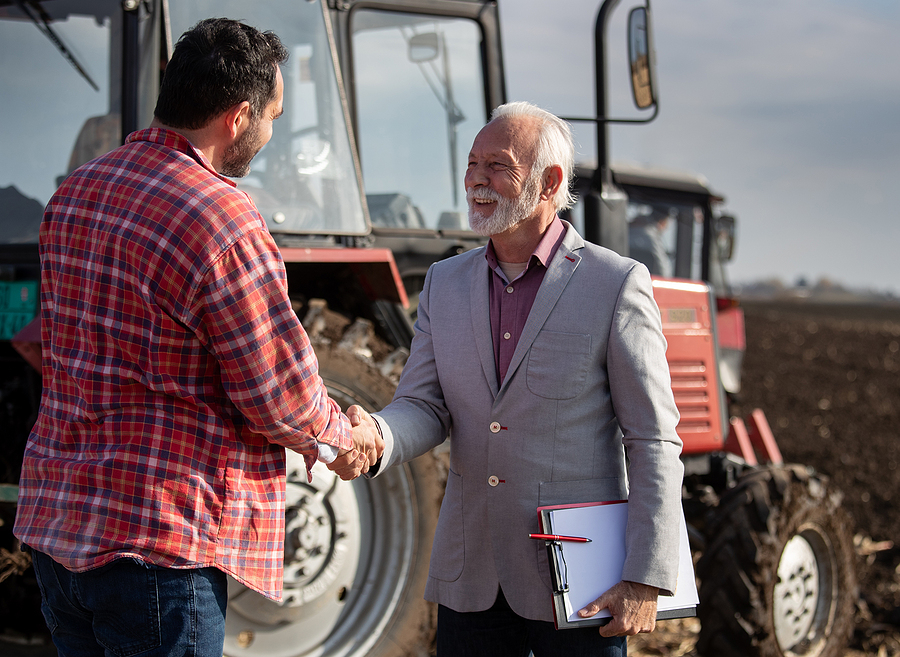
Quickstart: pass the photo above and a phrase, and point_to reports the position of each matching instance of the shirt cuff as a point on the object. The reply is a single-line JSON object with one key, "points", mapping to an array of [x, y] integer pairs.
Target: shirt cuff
{"points": [[327, 453]]}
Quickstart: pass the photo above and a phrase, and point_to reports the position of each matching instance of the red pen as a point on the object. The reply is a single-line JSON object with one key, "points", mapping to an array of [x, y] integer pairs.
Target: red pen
{"points": [[557, 537]]}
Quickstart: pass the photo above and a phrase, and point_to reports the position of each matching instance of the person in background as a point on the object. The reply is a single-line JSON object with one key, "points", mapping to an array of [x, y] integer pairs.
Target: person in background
{"points": [[646, 242], [175, 372], [543, 357]]}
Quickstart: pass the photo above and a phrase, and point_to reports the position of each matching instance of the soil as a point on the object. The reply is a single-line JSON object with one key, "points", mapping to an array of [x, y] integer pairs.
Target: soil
{"points": [[828, 378]]}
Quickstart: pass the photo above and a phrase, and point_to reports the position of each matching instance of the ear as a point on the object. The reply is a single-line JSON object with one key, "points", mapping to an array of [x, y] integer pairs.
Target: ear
{"points": [[237, 119], [551, 181]]}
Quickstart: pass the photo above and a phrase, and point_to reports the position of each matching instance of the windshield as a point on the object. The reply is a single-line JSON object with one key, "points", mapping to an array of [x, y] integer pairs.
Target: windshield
{"points": [[420, 101], [304, 180], [59, 109]]}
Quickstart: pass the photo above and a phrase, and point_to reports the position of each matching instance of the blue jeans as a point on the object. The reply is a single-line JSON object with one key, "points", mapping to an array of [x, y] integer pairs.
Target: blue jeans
{"points": [[129, 609], [500, 632]]}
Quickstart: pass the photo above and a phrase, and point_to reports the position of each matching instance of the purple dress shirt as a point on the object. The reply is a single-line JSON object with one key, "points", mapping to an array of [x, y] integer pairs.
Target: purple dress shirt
{"points": [[511, 301]]}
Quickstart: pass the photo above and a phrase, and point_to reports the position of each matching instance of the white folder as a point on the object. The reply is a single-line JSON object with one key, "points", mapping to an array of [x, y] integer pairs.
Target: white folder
{"points": [[584, 571]]}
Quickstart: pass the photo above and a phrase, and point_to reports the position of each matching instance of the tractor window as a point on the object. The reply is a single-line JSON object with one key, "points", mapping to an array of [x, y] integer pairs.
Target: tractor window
{"points": [[305, 179], [419, 90], [59, 109], [667, 237]]}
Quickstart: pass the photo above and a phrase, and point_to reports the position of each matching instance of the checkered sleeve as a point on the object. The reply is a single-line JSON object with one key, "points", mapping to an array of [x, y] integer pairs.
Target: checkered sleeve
{"points": [[269, 370]]}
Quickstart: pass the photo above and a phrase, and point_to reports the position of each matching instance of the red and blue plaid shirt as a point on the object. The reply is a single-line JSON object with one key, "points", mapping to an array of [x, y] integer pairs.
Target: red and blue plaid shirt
{"points": [[175, 372]]}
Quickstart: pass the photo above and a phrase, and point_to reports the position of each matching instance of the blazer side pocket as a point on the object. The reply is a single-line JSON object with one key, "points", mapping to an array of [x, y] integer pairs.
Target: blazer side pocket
{"points": [[449, 551], [558, 364]]}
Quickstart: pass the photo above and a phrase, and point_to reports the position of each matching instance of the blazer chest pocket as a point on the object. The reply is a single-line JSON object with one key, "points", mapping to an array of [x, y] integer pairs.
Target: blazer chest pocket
{"points": [[558, 364]]}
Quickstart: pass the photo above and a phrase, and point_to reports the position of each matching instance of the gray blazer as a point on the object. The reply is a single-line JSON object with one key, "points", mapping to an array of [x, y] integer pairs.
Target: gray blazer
{"points": [[587, 381]]}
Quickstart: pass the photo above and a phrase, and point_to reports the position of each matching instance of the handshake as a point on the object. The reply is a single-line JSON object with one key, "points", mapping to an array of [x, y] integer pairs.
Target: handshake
{"points": [[368, 446]]}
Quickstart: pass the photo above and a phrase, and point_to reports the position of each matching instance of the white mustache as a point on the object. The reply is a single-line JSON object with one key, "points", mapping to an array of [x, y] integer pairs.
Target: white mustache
{"points": [[482, 195]]}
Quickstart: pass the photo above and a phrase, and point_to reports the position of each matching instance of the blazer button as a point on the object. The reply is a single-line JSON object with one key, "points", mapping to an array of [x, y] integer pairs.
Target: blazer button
{"points": [[495, 427], [493, 480]]}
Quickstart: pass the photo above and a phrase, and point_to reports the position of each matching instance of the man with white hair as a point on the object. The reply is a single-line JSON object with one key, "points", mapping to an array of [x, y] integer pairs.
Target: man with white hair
{"points": [[543, 356]]}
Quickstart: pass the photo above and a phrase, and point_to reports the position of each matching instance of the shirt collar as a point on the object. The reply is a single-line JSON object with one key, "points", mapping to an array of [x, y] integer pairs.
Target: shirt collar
{"points": [[176, 141], [543, 252]]}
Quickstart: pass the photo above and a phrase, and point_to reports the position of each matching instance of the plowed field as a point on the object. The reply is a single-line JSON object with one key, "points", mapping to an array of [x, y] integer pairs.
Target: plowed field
{"points": [[828, 379]]}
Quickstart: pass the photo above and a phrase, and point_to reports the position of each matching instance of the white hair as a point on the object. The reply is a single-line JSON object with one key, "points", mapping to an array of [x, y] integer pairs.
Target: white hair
{"points": [[555, 146]]}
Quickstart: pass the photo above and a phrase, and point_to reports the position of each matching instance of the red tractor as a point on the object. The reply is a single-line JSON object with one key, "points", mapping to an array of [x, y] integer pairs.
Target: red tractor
{"points": [[776, 558], [361, 186]]}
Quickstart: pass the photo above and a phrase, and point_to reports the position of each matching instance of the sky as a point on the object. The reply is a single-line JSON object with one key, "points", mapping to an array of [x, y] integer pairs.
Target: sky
{"points": [[789, 108]]}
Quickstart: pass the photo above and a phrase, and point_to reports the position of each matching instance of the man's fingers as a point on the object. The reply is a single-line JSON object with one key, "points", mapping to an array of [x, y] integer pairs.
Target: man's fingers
{"points": [[615, 627], [355, 414], [345, 458], [372, 455], [633, 609], [367, 443], [591, 609], [366, 436], [348, 465], [358, 465]]}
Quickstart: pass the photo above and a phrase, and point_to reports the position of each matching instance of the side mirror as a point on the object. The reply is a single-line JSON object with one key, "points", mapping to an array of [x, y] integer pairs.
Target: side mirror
{"points": [[725, 234], [423, 47], [641, 58]]}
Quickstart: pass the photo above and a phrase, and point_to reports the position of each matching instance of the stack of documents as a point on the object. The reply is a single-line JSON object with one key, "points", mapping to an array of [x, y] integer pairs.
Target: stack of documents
{"points": [[585, 570]]}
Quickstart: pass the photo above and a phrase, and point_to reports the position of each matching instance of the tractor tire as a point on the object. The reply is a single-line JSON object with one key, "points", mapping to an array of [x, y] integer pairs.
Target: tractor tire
{"points": [[777, 576], [356, 553]]}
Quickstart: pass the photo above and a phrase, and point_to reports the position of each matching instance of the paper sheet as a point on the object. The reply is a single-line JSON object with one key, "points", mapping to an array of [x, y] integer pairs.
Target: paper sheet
{"points": [[602, 558]]}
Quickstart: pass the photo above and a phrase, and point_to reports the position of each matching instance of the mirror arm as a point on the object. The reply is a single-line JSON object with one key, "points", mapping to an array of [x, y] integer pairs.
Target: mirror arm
{"points": [[600, 119]]}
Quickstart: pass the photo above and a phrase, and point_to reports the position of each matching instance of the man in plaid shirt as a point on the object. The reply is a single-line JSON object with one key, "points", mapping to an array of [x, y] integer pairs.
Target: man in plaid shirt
{"points": [[175, 371]]}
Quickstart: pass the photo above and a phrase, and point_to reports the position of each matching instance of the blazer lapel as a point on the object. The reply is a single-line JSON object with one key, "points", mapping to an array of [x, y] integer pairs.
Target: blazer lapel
{"points": [[481, 321], [560, 271]]}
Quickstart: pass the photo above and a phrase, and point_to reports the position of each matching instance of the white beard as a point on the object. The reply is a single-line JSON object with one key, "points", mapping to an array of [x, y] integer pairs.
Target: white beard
{"points": [[507, 213]]}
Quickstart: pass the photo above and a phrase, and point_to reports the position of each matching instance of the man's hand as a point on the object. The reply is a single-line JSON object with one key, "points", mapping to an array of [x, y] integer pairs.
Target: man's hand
{"points": [[633, 609], [367, 447], [366, 432], [349, 464]]}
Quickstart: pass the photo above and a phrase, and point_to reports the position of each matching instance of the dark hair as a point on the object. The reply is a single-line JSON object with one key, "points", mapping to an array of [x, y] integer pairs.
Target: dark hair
{"points": [[217, 64]]}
